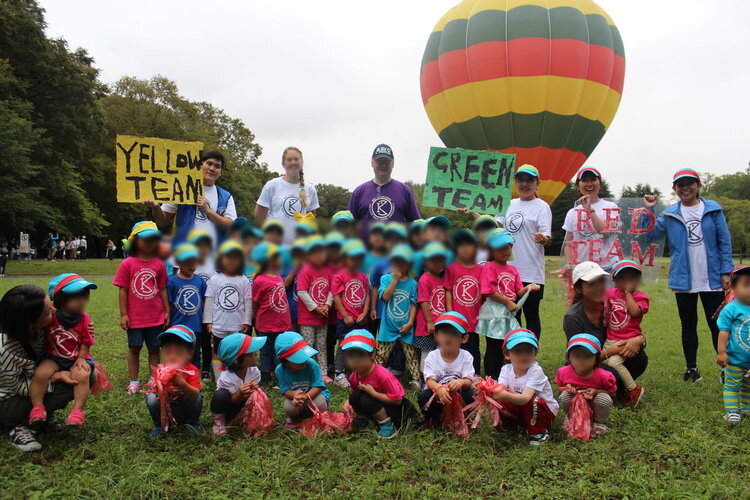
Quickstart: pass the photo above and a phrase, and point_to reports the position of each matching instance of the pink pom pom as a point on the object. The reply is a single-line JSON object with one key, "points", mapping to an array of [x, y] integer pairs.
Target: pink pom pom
{"points": [[484, 401], [102, 382], [256, 416], [453, 414], [327, 422], [163, 387], [580, 416]]}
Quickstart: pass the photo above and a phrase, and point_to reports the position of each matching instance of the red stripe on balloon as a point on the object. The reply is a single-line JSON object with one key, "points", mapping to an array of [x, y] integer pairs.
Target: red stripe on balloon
{"points": [[528, 57], [561, 163]]}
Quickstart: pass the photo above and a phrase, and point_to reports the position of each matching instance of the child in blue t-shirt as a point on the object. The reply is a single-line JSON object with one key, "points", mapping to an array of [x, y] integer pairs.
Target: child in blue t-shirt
{"points": [[734, 347], [186, 291], [300, 378], [399, 295]]}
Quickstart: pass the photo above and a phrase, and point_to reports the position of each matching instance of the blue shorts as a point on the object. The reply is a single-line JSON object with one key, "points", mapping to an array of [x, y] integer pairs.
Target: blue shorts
{"points": [[62, 363], [136, 336], [342, 328]]}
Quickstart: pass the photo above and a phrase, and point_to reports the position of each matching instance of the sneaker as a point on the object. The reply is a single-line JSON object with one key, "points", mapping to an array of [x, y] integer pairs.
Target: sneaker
{"points": [[134, 387], [634, 397], [23, 439], [598, 430], [206, 376], [194, 428], [157, 432], [219, 428], [415, 385], [387, 430], [360, 423], [37, 415], [537, 439], [733, 417], [327, 379], [291, 424], [341, 380], [76, 417], [692, 375]]}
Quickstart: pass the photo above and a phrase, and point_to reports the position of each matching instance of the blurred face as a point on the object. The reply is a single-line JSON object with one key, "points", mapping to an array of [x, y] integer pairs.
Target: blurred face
{"points": [[594, 290], [449, 340], [590, 185], [274, 235], [204, 248], [317, 257], [382, 168], [582, 360], [466, 252], [274, 264], [686, 189], [75, 305], [211, 171], [148, 247], [248, 360], [188, 267], [627, 280], [522, 356], [334, 253], [400, 266], [376, 240], [248, 244], [231, 262], [345, 227], [433, 232], [358, 360], [435, 264], [294, 367], [526, 185], [741, 289], [417, 239], [503, 254], [391, 241], [353, 264], [175, 354], [48, 311], [292, 163]]}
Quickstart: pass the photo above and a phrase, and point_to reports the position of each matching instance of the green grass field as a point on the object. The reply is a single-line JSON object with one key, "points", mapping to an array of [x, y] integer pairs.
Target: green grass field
{"points": [[674, 445]]}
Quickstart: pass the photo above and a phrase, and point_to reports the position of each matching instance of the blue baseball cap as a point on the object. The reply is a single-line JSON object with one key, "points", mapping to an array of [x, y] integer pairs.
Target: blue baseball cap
{"points": [[438, 220], [181, 331], [585, 340], [292, 347], [434, 249], [397, 229], [263, 252], [185, 251], [528, 170], [354, 248], [299, 244], [235, 345], [626, 264], [144, 229], [520, 336], [335, 238], [342, 216], [250, 230], [305, 228], [402, 252], [239, 223], [454, 319], [499, 239], [359, 339], [484, 220], [416, 226], [463, 236], [69, 283], [313, 242], [377, 227]]}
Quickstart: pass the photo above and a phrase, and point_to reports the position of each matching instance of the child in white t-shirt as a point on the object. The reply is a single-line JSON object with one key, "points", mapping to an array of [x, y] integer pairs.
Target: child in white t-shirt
{"points": [[239, 378], [448, 368], [528, 397]]}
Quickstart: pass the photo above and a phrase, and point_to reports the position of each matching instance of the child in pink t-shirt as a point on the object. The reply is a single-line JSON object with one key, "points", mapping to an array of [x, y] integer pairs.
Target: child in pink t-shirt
{"points": [[270, 304], [583, 374], [625, 306], [314, 299], [430, 298], [350, 288], [144, 304], [376, 393]]}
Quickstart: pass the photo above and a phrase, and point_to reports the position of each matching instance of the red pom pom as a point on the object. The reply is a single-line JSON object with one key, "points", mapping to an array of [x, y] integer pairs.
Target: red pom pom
{"points": [[102, 382], [162, 385], [580, 416], [256, 416], [327, 422], [484, 401]]}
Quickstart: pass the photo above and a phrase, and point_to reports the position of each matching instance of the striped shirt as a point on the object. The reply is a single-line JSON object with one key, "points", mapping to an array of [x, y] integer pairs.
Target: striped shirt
{"points": [[16, 369]]}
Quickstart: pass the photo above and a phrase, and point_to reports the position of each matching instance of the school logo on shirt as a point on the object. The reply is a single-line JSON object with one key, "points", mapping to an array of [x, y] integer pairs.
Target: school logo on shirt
{"points": [[514, 222], [695, 236], [200, 215], [618, 314], [437, 301], [278, 299], [381, 208], [355, 293], [290, 205], [144, 284], [505, 282], [228, 298], [188, 300], [741, 332], [64, 342], [466, 291], [398, 306], [319, 291]]}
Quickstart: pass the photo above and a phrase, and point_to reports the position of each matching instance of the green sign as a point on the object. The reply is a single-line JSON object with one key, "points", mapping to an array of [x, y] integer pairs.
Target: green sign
{"points": [[478, 181]]}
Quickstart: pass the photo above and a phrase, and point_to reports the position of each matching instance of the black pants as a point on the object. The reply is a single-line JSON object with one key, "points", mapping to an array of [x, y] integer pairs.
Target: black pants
{"points": [[15, 410], [494, 358], [331, 347], [221, 402], [472, 346], [3, 262], [636, 366], [364, 404], [687, 307], [435, 410], [530, 311], [202, 356]]}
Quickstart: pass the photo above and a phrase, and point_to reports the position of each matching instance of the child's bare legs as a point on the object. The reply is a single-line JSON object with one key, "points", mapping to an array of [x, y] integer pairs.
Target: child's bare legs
{"points": [[81, 390], [40, 381], [134, 361], [153, 360]]}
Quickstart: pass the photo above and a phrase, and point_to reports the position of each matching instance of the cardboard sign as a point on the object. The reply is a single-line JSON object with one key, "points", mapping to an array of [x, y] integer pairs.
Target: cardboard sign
{"points": [[158, 169], [478, 181], [23, 243], [625, 236]]}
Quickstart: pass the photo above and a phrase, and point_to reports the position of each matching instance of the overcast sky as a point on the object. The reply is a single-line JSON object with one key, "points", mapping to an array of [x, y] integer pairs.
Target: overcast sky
{"points": [[338, 77]]}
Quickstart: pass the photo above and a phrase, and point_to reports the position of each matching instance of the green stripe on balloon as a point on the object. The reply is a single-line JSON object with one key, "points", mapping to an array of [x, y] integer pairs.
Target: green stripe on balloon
{"points": [[524, 22], [573, 132]]}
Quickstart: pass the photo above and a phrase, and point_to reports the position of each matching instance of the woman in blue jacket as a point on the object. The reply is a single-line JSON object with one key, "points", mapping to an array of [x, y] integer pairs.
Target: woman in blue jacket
{"points": [[701, 250]]}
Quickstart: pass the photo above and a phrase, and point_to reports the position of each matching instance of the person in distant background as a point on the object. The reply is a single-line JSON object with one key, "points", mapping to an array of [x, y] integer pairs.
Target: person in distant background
{"points": [[110, 249], [82, 248], [125, 246], [62, 245], [383, 198], [4, 253], [52, 246]]}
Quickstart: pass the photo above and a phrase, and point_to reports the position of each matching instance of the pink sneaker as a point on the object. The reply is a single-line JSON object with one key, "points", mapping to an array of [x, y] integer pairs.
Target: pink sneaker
{"points": [[76, 417], [327, 379], [38, 414], [133, 387], [290, 424]]}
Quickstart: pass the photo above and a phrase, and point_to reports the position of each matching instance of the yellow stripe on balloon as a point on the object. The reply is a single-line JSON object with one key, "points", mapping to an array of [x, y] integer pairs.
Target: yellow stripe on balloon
{"points": [[549, 190], [464, 102], [469, 8]]}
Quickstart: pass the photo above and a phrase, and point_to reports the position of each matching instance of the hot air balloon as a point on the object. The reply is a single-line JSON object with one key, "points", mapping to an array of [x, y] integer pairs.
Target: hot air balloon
{"points": [[541, 79]]}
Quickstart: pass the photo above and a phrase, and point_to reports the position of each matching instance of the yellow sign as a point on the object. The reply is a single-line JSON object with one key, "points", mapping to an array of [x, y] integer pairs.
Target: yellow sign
{"points": [[158, 169]]}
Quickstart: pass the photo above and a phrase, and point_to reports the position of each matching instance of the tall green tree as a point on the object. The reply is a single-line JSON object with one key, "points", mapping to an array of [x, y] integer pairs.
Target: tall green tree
{"points": [[639, 190], [332, 199], [735, 186]]}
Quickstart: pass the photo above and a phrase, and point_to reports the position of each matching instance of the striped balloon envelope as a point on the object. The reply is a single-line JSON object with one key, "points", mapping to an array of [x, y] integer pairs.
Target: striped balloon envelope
{"points": [[541, 79]]}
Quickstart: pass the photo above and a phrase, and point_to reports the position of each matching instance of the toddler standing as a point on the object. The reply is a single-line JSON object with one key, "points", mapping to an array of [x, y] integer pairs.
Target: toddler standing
{"points": [[734, 347]]}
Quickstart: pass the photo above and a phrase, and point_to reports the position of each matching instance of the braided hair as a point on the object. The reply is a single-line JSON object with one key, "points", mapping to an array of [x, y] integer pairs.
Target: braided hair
{"points": [[302, 192]]}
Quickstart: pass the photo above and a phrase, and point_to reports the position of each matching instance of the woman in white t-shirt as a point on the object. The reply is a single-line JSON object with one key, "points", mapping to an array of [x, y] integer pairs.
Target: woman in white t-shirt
{"points": [[592, 224], [529, 220], [283, 196]]}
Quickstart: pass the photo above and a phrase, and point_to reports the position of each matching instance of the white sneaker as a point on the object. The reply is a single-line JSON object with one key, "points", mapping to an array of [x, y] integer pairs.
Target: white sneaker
{"points": [[341, 380]]}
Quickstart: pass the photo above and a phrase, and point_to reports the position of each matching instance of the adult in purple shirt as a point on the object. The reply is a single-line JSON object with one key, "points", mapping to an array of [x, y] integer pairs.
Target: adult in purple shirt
{"points": [[383, 199]]}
